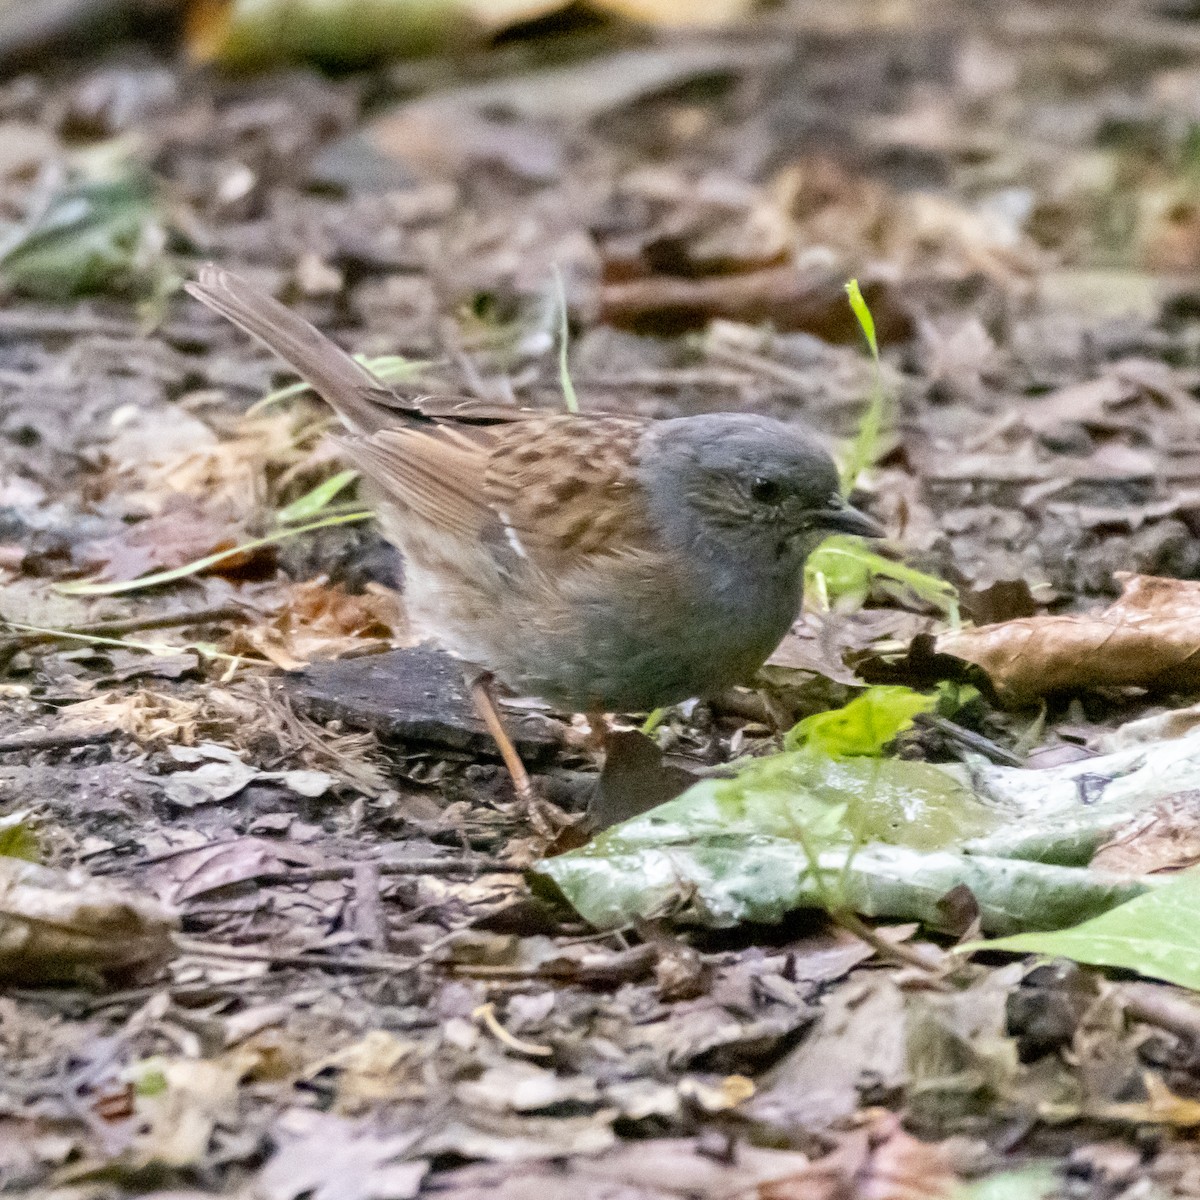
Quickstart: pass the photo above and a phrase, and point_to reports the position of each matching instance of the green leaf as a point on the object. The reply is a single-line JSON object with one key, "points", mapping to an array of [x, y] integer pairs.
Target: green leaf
{"points": [[151, 1082], [863, 315], [89, 588], [843, 571], [864, 726], [1037, 1181], [92, 236], [17, 839], [832, 826], [311, 503], [720, 881], [1156, 934]]}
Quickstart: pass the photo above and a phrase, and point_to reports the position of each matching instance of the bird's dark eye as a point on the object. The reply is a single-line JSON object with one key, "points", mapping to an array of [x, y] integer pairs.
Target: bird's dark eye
{"points": [[766, 491]]}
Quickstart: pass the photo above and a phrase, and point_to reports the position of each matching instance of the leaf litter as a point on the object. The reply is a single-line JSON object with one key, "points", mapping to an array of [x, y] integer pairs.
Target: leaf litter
{"points": [[369, 993]]}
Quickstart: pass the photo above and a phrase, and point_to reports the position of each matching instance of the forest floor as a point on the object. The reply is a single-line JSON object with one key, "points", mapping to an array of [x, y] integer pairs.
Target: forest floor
{"points": [[365, 994]]}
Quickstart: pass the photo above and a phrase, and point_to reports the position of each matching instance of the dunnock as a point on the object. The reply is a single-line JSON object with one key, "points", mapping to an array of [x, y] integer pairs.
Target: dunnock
{"points": [[603, 563]]}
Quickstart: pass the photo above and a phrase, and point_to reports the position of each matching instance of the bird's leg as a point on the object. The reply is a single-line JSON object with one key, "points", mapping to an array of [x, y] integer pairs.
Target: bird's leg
{"points": [[597, 738], [485, 706]]}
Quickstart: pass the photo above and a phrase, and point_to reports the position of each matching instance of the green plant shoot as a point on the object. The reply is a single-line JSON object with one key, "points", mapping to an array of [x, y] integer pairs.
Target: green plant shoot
{"points": [[570, 399], [315, 502], [864, 449]]}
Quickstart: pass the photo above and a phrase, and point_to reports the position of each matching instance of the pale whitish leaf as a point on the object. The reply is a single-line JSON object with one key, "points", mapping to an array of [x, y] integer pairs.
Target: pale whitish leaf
{"points": [[327, 1157]]}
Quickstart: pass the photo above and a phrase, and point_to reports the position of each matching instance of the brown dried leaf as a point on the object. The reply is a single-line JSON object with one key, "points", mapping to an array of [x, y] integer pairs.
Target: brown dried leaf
{"points": [[881, 1162], [319, 620], [64, 926], [1149, 638], [1164, 838], [184, 876], [183, 532]]}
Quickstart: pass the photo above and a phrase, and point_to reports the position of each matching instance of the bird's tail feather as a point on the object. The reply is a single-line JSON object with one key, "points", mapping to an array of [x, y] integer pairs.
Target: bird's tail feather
{"points": [[362, 402]]}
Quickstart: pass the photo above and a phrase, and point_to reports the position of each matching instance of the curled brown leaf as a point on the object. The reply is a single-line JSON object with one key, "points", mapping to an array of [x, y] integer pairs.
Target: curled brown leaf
{"points": [[1149, 638]]}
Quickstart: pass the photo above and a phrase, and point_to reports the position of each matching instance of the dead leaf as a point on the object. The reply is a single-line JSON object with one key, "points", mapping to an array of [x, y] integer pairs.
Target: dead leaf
{"points": [[326, 1157], [1149, 638], [186, 530], [787, 296], [191, 1097], [202, 869], [222, 774], [319, 620], [860, 1036], [377, 1067], [881, 1162], [1161, 1107], [64, 926], [1165, 838]]}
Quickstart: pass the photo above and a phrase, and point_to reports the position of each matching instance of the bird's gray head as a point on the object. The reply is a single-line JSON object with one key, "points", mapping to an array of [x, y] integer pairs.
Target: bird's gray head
{"points": [[749, 484]]}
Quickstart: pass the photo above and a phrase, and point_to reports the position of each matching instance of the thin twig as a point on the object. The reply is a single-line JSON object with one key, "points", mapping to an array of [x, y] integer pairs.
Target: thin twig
{"points": [[1156, 1005], [390, 963], [895, 952], [415, 866], [45, 740], [969, 740], [204, 616]]}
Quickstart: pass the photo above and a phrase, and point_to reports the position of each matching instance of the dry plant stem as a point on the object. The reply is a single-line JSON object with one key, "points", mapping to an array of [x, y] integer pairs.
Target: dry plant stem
{"points": [[419, 866], [969, 740], [894, 952], [388, 963], [485, 705], [203, 616]]}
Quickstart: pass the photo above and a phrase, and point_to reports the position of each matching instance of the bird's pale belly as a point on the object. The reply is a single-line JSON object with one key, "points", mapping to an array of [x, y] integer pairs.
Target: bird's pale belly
{"points": [[614, 650]]}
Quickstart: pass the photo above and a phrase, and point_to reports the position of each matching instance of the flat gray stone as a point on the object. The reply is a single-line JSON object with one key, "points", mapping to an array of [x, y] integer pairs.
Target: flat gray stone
{"points": [[414, 695]]}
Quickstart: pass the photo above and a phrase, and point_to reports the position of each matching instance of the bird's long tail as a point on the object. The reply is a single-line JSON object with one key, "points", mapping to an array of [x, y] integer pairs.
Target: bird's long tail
{"points": [[363, 403]]}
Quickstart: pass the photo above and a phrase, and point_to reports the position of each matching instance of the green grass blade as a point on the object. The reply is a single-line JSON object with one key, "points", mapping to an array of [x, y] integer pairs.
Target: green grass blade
{"points": [[863, 315], [316, 501], [92, 588], [564, 374], [864, 449]]}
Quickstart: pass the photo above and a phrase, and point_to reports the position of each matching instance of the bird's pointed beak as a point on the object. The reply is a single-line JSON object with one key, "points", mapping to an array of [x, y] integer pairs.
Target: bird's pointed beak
{"points": [[841, 517]]}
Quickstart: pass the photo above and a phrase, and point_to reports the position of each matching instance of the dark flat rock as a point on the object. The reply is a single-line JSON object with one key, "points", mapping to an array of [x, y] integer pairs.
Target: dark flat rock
{"points": [[414, 695]]}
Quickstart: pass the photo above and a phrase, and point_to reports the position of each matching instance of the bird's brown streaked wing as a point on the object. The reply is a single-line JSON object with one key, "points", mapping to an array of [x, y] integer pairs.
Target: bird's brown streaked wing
{"points": [[565, 488], [434, 474]]}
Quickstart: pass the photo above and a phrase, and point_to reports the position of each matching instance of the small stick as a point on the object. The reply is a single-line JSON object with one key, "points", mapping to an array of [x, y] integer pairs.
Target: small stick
{"points": [[895, 952], [415, 866], [1156, 1005], [306, 958], [597, 738], [968, 740], [45, 740]]}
